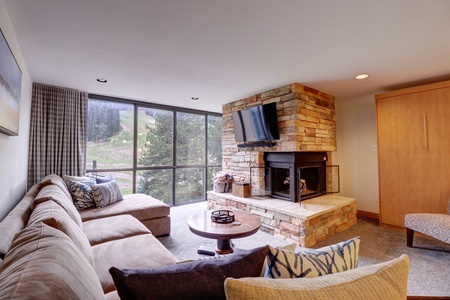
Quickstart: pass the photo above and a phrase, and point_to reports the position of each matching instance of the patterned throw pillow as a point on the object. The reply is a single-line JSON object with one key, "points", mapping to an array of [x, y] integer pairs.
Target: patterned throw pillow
{"points": [[313, 262], [106, 193], [81, 193]]}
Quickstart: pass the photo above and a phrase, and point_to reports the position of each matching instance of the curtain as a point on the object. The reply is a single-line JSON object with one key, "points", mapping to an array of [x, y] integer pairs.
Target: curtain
{"points": [[57, 132]]}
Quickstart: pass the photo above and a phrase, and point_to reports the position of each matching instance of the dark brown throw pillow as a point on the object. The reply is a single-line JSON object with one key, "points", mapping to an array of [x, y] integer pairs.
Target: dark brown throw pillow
{"points": [[202, 279]]}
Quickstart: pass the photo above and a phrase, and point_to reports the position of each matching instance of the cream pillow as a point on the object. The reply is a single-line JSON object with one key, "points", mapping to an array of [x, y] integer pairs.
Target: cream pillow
{"points": [[386, 280], [313, 262]]}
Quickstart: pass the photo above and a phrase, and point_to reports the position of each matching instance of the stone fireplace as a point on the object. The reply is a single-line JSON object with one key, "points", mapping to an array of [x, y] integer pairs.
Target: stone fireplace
{"points": [[306, 120]]}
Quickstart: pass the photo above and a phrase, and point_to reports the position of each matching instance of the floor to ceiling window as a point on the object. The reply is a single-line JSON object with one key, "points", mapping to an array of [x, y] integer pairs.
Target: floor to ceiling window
{"points": [[169, 153]]}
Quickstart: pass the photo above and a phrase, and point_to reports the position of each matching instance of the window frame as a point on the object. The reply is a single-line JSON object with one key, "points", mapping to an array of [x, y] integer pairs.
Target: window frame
{"points": [[135, 168]]}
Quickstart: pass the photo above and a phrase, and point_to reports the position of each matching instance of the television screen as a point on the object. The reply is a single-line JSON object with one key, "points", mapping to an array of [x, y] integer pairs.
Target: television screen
{"points": [[259, 123]]}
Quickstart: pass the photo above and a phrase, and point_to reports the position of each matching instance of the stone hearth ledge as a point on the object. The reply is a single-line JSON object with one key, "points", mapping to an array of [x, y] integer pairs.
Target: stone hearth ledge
{"points": [[313, 221]]}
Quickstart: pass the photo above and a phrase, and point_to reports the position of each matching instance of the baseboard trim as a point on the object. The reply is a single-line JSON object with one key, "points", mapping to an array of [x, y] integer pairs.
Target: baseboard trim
{"points": [[427, 298], [367, 214]]}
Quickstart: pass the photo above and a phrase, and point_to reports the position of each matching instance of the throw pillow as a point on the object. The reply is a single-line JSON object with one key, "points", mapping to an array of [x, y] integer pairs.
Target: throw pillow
{"points": [[103, 179], [386, 280], [313, 262], [202, 279], [81, 193], [106, 193], [76, 178]]}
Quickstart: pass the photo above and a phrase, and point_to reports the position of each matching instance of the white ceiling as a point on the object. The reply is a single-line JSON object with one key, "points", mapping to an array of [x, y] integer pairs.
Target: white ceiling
{"points": [[167, 51]]}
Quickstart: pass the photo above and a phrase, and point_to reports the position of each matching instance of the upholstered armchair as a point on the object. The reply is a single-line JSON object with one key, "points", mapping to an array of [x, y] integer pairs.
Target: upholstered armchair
{"points": [[434, 225]]}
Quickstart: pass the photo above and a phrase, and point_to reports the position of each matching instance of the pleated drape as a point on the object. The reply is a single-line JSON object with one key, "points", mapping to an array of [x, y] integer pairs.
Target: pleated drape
{"points": [[57, 132]]}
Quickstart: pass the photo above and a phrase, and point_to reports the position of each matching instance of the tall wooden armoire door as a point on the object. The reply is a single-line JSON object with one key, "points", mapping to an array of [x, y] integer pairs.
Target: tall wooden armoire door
{"points": [[427, 154], [414, 153], [394, 134]]}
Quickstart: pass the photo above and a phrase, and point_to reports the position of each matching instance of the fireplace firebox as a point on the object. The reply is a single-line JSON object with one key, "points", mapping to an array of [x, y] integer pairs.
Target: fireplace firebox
{"points": [[296, 176]]}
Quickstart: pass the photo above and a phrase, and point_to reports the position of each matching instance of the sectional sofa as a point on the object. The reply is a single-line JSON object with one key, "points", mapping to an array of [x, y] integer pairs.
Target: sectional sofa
{"points": [[51, 250]]}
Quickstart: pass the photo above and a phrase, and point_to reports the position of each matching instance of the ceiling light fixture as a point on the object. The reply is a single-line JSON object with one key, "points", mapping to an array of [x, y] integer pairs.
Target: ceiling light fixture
{"points": [[361, 76], [194, 98], [102, 80]]}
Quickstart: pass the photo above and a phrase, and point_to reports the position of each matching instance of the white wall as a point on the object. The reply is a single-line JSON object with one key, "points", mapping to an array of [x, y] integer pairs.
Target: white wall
{"points": [[14, 149], [356, 153]]}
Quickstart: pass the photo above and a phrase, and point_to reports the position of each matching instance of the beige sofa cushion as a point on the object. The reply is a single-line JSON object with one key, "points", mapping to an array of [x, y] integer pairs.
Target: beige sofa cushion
{"points": [[54, 193], [53, 179], [112, 228], [141, 251], [16, 220], [55, 216], [158, 226], [43, 263], [140, 206], [381, 281]]}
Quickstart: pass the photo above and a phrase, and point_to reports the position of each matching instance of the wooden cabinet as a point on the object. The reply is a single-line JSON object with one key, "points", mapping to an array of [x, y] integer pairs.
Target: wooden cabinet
{"points": [[413, 127]]}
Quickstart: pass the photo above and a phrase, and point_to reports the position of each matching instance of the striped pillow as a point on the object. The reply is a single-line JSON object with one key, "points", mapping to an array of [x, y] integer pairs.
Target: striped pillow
{"points": [[106, 193], [313, 262]]}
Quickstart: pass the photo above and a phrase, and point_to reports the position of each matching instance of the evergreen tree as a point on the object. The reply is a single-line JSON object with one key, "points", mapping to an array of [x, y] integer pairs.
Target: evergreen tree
{"points": [[157, 151], [214, 140], [103, 120], [190, 139], [190, 151]]}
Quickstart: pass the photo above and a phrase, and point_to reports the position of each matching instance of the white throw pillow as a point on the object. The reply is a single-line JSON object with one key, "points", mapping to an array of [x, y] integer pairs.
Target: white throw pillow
{"points": [[313, 262]]}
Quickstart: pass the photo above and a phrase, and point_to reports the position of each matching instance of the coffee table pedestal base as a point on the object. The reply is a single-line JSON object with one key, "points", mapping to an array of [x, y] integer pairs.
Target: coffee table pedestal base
{"points": [[224, 247]]}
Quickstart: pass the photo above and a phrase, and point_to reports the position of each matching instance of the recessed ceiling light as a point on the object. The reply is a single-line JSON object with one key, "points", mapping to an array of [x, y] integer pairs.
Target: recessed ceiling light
{"points": [[361, 76], [102, 80], [194, 98]]}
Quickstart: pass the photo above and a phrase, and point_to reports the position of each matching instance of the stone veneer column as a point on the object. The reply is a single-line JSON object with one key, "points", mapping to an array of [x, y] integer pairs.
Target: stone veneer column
{"points": [[306, 120]]}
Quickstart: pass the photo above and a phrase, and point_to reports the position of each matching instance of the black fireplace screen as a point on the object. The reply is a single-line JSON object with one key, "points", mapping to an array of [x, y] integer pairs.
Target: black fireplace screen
{"points": [[299, 176], [311, 182]]}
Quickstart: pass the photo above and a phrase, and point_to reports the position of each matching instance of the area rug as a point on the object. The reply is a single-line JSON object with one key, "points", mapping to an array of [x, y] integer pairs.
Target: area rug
{"points": [[429, 273]]}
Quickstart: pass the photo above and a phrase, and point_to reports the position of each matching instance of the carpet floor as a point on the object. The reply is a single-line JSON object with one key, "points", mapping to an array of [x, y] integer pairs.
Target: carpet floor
{"points": [[429, 273]]}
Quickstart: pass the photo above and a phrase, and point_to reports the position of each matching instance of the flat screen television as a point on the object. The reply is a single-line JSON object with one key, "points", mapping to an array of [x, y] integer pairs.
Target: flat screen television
{"points": [[256, 124]]}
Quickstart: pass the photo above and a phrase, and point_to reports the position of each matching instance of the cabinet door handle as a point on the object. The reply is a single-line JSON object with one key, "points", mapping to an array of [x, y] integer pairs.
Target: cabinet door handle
{"points": [[425, 132]]}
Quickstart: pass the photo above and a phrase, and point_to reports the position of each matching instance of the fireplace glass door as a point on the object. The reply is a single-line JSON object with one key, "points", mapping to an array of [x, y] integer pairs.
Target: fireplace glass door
{"points": [[281, 187], [311, 182]]}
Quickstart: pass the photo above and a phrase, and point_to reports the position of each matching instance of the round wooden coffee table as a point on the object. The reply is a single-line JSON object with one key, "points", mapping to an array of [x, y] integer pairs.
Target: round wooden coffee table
{"points": [[200, 223]]}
